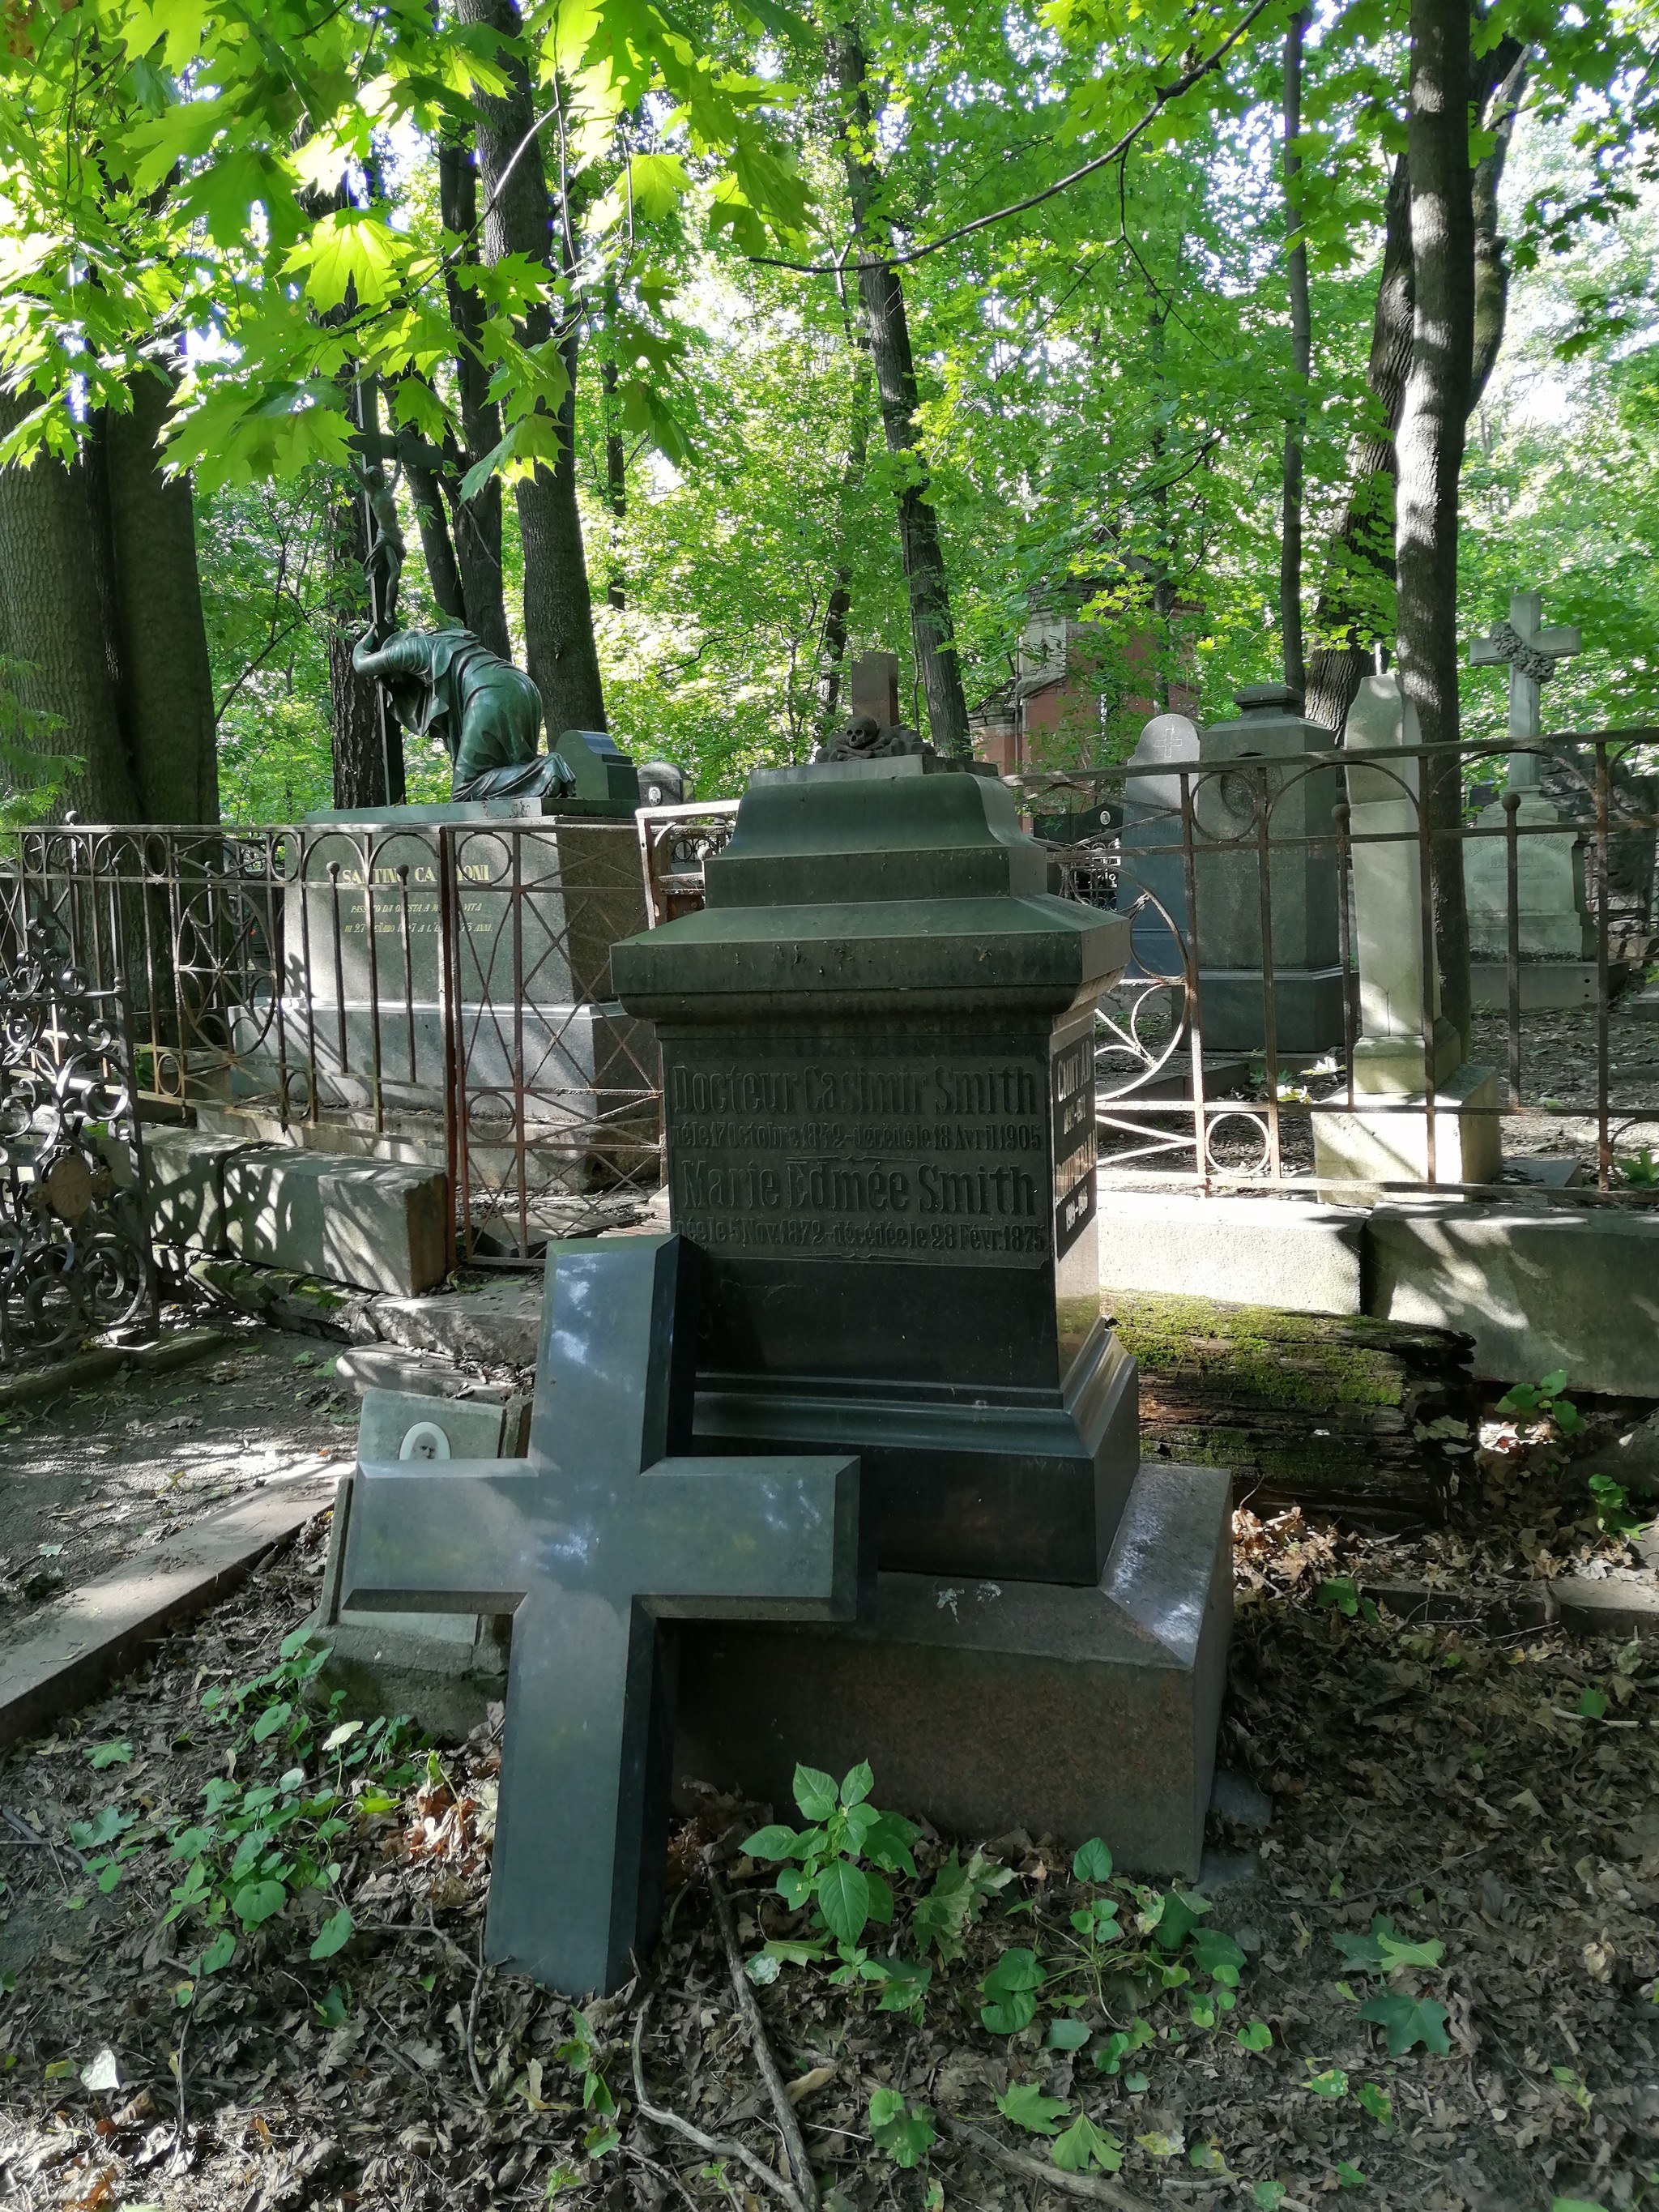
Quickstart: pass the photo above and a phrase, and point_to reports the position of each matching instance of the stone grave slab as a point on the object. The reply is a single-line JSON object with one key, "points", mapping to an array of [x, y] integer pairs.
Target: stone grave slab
{"points": [[604, 1531], [371, 1222], [1404, 1039]]}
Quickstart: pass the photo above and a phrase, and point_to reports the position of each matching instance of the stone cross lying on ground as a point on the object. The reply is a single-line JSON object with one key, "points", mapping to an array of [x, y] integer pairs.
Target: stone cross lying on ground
{"points": [[589, 1543], [1532, 653]]}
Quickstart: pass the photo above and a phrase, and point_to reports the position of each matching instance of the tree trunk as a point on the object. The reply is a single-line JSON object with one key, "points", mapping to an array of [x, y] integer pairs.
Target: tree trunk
{"points": [[1354, 612], [167, 680], [832, 644], [1296, 257], [1354, 609], [1430, 449], [100, 601], [442, 568], [882, 299], [478, 522], [1492, 276], [354, 703], [616, 452], [558, 613], [54, 619]]}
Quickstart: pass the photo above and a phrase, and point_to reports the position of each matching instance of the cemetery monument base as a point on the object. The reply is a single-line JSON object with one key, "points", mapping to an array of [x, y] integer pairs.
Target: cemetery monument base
{"points": [[988, 1706], [878, 1080], [1389, 1142]]}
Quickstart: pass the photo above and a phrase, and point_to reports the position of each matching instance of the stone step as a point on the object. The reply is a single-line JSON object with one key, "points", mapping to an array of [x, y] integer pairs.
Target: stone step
{"points": [[499, 1326], [372, 1225]]}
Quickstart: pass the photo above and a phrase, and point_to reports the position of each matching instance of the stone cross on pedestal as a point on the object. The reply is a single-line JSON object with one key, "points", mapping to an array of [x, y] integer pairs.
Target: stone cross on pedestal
{"points": [[1531, 653], [590, 1542]]}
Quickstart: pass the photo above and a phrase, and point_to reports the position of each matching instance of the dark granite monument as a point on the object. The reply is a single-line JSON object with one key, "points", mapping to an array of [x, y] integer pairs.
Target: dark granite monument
{"points": [[878, 1044], [1237, 771], [605, 1531]]}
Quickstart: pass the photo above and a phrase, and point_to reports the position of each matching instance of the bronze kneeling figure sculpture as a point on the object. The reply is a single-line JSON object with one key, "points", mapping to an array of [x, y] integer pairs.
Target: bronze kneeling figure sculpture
{"points": [[486, 714]]}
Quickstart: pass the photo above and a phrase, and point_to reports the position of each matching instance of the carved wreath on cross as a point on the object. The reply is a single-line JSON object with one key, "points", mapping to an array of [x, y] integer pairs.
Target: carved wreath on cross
{"points": [[1513, 647]]}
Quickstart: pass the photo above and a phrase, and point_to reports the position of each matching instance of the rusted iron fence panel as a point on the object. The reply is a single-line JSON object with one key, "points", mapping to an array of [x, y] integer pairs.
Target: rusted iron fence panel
{"points": [[75, 1246], [1209, 1074], [423, 992]]}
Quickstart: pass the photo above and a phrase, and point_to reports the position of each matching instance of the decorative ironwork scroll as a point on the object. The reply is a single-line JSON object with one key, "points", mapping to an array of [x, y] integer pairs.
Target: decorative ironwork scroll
{"points": [[75, 1253]]}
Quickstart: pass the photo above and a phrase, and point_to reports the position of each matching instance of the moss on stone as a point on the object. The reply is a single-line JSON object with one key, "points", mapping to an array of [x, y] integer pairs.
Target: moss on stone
{"points": [[1294, 1361]]}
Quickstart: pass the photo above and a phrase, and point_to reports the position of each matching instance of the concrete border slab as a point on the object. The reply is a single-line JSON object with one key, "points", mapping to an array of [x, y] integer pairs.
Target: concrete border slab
{"points": [[83, 1368], [1291, 1253], [1536, 1290], [85, 1638]]}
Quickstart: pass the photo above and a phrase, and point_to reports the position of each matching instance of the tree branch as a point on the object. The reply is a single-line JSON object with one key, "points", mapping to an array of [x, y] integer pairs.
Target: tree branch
{"points": [[1165, 93]]}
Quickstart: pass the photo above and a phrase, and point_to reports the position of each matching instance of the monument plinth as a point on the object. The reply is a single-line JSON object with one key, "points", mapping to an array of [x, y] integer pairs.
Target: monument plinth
{"points": [[877, 1042]]}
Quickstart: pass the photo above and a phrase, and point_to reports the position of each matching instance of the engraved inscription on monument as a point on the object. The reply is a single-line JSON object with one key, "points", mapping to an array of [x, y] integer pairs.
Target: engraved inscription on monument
{"points": [[927, 1156], [1071, 1072]]}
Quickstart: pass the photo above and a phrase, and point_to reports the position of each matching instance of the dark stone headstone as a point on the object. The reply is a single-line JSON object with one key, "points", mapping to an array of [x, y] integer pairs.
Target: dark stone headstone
{"points": [[873, 687], [1243, 771], [605, 1531], [878, 1044]]}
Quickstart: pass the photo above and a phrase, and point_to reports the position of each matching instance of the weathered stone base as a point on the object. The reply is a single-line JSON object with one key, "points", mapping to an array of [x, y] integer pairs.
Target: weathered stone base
{"points": [[372, 1223], [1536, 1290], [1644, 1007], [989, 1705], [441, 1668], [1546, 985], [1392, 1144]]}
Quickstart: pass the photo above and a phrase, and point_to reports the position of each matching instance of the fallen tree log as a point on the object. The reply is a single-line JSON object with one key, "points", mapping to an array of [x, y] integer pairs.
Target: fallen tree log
{"points": [[1342, 1415]]}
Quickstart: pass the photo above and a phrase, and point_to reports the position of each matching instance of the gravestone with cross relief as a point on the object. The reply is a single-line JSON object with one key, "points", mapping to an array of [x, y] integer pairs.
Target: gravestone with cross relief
{"points": [[605, 1532], [1557, 937]]}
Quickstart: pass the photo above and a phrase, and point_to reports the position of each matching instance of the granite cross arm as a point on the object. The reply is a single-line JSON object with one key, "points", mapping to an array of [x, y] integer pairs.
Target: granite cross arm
{"points": [[591, 1542]]}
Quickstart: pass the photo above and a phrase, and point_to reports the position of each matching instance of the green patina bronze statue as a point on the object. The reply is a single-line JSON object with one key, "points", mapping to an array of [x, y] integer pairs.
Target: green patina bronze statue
{"points": [[484, 712]]}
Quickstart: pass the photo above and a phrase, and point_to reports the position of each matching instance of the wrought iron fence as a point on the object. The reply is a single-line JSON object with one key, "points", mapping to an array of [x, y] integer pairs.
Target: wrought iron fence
{"points": [[426, 991], [441, 993], [75, 1253], [1257, 1039]]}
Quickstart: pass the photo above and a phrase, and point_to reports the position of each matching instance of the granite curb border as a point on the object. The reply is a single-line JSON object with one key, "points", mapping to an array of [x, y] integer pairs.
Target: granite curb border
{"points": [[1580, 1604], [81, 1368], [85, 1638]]}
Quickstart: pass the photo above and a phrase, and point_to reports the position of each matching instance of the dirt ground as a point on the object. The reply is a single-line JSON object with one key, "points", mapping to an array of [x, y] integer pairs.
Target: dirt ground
{"points": [[90, 1478], [1489, 1803]]}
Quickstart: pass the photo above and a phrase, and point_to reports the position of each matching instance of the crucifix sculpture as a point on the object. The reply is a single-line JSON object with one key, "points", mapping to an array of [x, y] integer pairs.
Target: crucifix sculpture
{"points": [[601, 1535], [1531, 653]]}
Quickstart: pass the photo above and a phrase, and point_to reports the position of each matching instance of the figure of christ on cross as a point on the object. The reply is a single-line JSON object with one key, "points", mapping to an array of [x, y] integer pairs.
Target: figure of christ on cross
{"points": [[590, 1542], [1531, 653]]}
